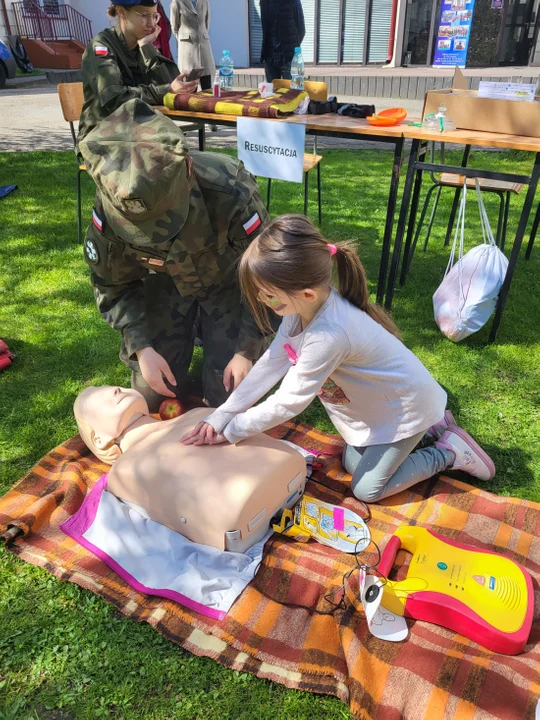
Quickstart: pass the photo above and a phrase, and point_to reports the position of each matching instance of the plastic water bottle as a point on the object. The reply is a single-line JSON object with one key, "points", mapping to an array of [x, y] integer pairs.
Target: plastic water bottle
{"points": [[297, 70], [226, 71]]}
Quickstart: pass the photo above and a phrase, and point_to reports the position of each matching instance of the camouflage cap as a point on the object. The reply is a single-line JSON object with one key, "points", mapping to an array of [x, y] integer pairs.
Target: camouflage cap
{"points": [[139, 160]]}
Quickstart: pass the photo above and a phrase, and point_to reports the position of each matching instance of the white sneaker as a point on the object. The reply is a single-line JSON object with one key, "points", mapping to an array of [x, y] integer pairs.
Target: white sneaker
{"points": [[469, 455]]}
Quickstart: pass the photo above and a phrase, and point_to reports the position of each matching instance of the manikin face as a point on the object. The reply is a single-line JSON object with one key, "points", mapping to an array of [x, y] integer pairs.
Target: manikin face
{"points": [[109, 410]]}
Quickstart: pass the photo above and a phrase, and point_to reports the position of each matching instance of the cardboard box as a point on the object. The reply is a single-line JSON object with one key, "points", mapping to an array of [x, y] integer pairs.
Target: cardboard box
{"points": [[471, 112]]}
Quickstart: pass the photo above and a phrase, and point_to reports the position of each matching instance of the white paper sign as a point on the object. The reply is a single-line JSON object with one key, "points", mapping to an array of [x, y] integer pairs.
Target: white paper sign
{"points": [[272, 149], [523, 92]]}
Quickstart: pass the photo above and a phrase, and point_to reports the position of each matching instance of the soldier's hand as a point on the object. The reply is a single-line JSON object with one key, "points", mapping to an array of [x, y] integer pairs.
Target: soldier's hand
{"points": [[149, 39], [204, 434], [179, 85], [154, 368], [236, 371]]}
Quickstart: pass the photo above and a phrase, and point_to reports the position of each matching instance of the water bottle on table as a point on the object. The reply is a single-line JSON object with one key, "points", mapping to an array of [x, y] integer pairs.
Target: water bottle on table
{"points": [[297, 70], [226, 71]]}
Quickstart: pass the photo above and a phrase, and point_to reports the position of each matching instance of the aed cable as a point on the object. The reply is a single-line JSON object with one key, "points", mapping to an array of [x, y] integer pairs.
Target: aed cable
{"points": [[342, 604]]}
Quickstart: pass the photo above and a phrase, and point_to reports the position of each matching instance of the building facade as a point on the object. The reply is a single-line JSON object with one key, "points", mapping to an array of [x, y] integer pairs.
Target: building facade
{"points": [[355, 32], [338, 32], [503, 32], [228, 28]]}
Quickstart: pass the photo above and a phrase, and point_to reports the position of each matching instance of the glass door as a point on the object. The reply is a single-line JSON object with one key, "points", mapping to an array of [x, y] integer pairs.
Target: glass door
{"points": [[419, 20], [518, 33]]}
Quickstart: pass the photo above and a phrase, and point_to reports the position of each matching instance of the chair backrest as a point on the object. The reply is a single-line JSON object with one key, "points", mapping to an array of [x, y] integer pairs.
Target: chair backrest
{"points": [[315, 89], [72, 100]]}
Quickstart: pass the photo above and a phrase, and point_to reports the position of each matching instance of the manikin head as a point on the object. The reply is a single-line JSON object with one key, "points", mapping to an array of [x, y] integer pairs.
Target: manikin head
{"points": [[103, 414]]}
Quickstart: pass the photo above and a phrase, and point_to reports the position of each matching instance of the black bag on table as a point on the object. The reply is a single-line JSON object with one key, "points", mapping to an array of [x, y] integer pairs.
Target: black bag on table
{"points": [[321, 107], [355, 111]]}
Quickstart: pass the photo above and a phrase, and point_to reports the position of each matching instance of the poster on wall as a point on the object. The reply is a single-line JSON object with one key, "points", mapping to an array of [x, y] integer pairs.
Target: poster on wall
{"points": [[453, 33]]}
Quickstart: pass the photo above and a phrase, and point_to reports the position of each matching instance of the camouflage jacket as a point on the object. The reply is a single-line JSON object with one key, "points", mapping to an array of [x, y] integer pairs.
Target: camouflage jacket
{"points": [[113, 74], [226, 212]]}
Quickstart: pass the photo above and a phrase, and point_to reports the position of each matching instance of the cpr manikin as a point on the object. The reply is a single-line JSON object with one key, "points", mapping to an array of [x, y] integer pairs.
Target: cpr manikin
{"points": [[222, 495]]}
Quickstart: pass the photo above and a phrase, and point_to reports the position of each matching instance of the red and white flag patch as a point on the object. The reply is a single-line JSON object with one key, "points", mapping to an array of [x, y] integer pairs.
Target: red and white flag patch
{"points": [[252, 224], [101, 50], [97, 221]]}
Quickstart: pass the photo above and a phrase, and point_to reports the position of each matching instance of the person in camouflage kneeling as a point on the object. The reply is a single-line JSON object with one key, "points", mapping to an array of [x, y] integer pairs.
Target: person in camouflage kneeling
{"points": [[167, 230]]}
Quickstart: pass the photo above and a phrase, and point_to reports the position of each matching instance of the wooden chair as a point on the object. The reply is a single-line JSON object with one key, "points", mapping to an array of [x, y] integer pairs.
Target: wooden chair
{"points": [[448, 180], [72, 100], [316, 91]]}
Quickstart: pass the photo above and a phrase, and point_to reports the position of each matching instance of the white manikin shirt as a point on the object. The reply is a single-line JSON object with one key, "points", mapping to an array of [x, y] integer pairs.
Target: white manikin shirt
{"points": [[375, 390]]}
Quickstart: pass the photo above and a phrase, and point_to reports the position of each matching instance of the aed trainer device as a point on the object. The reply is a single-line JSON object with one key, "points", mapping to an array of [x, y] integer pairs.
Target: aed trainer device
{"points": [[480, 594]]}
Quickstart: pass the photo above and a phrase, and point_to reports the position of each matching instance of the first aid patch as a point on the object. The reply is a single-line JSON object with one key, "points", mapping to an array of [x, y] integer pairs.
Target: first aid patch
{"points": [[101, 50], [252, 224]]}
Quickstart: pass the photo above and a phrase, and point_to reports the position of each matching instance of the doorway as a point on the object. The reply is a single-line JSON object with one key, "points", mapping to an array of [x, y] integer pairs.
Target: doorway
{"points": [[419, 28], [518, 32]]}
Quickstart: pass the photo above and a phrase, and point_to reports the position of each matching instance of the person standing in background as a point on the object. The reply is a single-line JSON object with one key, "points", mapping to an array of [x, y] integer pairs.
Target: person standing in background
{"points": [[190, 21], [283, 30], [162, 41]]}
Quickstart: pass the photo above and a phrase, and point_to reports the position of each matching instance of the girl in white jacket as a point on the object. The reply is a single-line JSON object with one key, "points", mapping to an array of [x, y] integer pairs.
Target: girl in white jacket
{"points": [[339, 346]]}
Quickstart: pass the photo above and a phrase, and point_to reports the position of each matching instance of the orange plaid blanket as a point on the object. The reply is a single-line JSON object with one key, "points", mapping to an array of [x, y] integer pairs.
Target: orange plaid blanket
{"points": [[434, 674]]}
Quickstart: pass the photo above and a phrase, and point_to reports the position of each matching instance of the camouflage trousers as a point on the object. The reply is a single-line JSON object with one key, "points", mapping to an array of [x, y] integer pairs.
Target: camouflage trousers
{"points": [[171, 320]]}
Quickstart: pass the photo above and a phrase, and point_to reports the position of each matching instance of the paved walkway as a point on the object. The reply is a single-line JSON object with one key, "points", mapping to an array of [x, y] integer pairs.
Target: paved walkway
{"points": [[31, 119], [362, 70]]}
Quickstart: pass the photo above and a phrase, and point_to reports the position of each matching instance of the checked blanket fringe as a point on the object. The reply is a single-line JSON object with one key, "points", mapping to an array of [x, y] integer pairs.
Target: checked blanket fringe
{"points": [[433, 675]]}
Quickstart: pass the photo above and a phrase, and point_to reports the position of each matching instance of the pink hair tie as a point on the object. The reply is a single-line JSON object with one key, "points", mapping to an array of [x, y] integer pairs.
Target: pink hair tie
{"points": [[332, 248]]}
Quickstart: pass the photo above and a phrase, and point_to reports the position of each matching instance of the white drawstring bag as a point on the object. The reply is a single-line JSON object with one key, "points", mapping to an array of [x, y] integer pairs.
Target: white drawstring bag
{"points": [[467, 296]]}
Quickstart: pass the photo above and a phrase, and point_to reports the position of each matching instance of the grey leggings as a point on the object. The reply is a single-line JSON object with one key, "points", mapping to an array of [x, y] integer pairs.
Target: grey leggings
{"points": [[382, 470]]}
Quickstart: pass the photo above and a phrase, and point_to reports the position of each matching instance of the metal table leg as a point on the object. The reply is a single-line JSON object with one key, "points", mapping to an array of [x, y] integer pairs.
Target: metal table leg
{"points": [[455, 202], [202, 138], [401, 223], [522, 227], [534, 230], [392, 200], [412, 219]]}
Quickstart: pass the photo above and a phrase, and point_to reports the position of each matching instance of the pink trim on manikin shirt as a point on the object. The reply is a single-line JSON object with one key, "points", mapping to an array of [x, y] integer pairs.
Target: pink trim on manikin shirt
{"points": [[79, 523]]}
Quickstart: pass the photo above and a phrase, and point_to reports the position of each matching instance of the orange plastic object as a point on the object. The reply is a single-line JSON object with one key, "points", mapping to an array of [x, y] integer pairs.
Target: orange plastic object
{"points": [[386, 118]]}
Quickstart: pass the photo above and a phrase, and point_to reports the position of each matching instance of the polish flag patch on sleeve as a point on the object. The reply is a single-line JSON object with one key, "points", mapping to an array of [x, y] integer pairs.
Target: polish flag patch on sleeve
{"points": [[101, 50], [97, 221], [252, 224]]}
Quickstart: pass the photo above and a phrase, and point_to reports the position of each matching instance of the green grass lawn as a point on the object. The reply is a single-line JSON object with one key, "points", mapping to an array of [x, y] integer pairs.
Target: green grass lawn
{"points": [[35, 71], [64, 649]]}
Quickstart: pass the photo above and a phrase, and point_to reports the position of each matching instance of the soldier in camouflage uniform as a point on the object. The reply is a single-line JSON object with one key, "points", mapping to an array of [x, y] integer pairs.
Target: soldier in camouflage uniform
{"points": [[121, 64], [168, 229]]}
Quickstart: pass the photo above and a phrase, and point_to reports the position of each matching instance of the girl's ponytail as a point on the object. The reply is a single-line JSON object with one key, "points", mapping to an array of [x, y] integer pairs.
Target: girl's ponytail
{"points": [[290, 255], [353, 287]]}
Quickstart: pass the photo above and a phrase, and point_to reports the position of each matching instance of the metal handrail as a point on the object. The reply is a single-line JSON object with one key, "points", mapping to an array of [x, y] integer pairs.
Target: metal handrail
{"points": [[65, 23]]}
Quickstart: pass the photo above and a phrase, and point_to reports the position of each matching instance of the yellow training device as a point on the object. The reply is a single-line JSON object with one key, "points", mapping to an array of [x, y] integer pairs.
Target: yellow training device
{"points": [[478, 593]]}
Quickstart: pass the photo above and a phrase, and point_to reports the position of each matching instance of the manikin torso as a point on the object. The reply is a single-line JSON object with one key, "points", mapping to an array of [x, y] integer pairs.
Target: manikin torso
{"points": [[222, 495]]}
